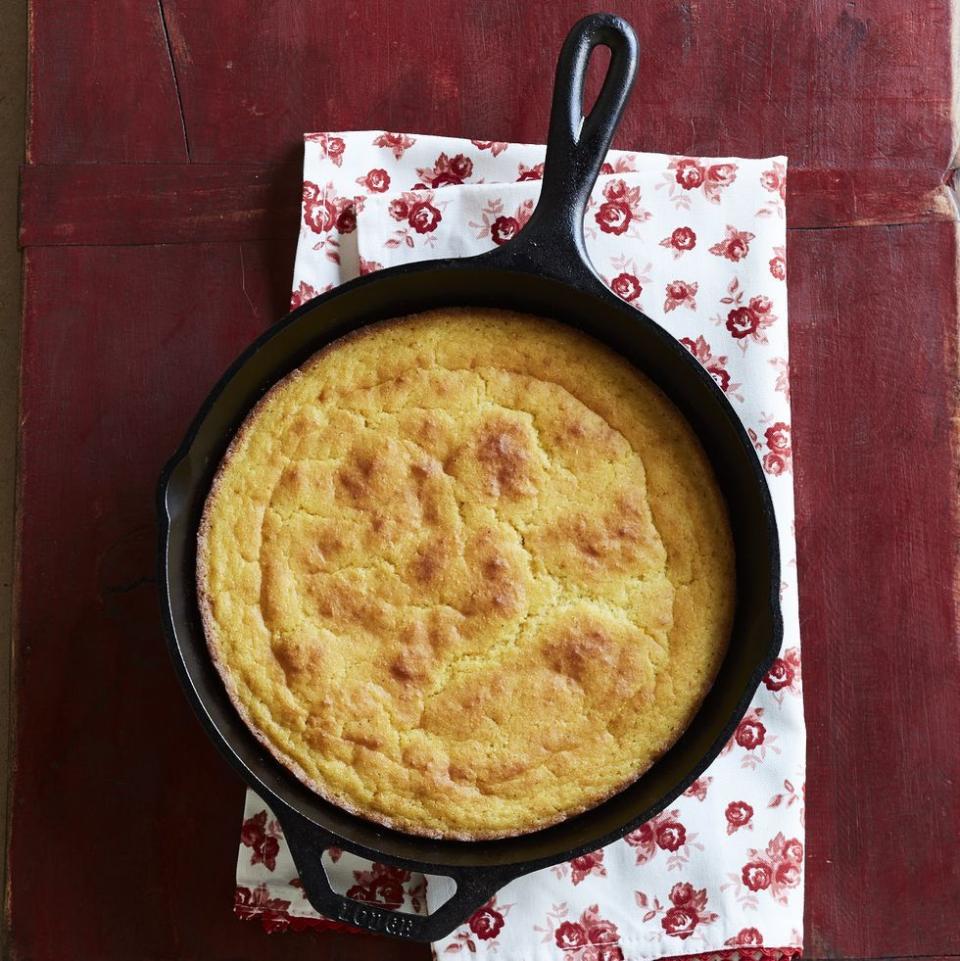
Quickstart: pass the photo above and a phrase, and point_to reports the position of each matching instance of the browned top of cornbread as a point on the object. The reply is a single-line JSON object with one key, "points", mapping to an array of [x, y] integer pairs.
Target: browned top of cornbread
{"points": [[467, 573]]}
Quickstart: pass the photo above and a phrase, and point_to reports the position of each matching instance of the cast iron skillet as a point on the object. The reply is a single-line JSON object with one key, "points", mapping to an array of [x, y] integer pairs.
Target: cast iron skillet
{"points": [[543, 271]]}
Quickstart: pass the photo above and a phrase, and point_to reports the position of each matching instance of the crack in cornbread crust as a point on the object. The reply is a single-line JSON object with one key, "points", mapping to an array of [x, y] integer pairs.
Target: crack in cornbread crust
{"points": [[466, 574]]}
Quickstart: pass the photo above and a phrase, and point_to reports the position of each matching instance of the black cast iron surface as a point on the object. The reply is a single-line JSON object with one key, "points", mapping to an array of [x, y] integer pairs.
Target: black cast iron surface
{"points": [[544, 271]]}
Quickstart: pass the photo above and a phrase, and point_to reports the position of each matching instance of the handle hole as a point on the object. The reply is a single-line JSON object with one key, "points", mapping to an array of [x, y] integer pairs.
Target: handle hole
{"points": [[381, 885], [597, 66]]}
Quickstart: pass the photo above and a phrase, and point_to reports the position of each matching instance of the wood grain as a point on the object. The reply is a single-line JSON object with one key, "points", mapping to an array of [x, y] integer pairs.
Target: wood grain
{"points": [[124, 816], [127, 256], [101, 84], [834, 84], [873, 370]]}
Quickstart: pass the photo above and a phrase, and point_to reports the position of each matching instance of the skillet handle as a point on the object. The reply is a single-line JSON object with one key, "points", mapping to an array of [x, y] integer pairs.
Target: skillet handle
{"points": [[307, 843], [552, 241]]}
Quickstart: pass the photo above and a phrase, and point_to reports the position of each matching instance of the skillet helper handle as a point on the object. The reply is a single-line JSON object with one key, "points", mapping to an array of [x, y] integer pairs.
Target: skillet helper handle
{"points": [[552, 240], [307, 843]]}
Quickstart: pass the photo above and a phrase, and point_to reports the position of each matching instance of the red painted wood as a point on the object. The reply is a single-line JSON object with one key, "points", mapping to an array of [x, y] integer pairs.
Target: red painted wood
{"points": [[125, 820], [113, 774], [834, 84], [191, 203], [101, 84], [873, 372]]}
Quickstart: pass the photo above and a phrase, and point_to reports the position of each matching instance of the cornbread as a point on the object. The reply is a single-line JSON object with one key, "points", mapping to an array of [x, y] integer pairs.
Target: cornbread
{"points": [[466, 574]]}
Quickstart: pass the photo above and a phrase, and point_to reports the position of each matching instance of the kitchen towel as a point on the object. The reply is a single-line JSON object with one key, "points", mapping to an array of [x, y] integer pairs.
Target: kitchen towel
{"points": [[698, 244]]}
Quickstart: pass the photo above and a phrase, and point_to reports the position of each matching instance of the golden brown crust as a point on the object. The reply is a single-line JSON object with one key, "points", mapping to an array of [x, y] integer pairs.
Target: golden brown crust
{"points": [[466, 574]]}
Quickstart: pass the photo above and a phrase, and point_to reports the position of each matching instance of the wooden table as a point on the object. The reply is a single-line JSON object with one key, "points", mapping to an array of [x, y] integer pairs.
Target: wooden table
{"points": [[159, 218]]}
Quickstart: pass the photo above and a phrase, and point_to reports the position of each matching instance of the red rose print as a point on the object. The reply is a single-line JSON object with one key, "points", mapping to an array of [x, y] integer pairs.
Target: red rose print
{"points": [[779, 676], [587, 864], [622, 165], [679, 922], [671, 836], [680, 294], [263, 838], [382, 885], [746, 938], [757, 875], [750, 733], [626, 286], [615, 190], [644, 840], [397, 142], [721, 376], [399, 209], [742, 321], [602, 952], [486, 922], [716, 366], [252, 831], [369, 266], [681, 240], [750, 320], [777, 869], [266, 852], [793, 850], [778, 267], [300, 296], [699, 787], [319, 213], [424, 217], [770, 180], [603, 932], [664, 832], [778, 438], [382, 891], [774, 464], [775, 180], [347, 220], [688, 909], [529, 173], [496, 147], [377, 181], [689, 174], [620, 207], [682, 893], [613, 217], [461, 165], [504, 229], [445, 171], [723, 174], [443, 179], [570, 935], [248, 904], [331, 147], [738, 815], [787, 874], [734, 246]]}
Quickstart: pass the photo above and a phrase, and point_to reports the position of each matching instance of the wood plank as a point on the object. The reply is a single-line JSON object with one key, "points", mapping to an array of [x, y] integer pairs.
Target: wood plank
{"points": [[101, 83], [874, 373], [123, 815], [206, 203], [833, 84]]}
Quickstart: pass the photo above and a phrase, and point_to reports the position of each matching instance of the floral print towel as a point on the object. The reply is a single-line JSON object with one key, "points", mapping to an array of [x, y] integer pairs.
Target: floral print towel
{"points": [[699, 245]]}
